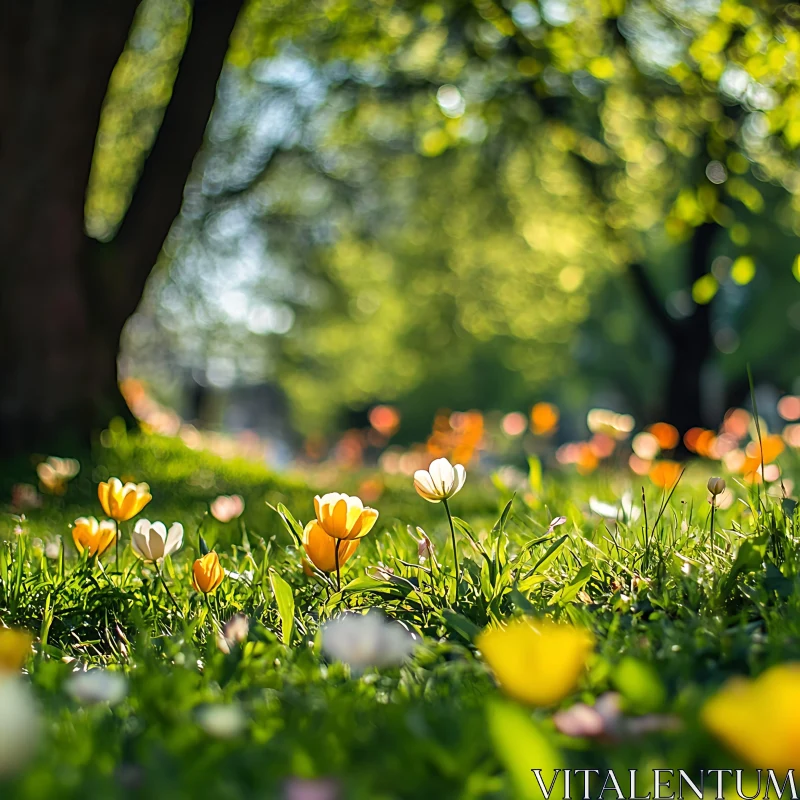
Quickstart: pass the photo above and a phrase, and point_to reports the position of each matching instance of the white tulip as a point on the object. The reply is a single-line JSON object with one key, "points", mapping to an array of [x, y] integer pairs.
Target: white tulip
{"points": [[19, 724], [151, 541], [440, 481], [97, 686], [366, 640]]}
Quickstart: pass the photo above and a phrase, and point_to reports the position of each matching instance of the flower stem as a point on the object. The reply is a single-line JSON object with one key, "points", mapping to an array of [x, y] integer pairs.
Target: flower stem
{"points": [[116, 547], [336, 561], [166, 588], [713, 506], [455, 551]]}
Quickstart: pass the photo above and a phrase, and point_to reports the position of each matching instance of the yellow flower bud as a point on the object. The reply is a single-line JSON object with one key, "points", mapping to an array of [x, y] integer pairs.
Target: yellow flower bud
{"points": [[123, 501], [207, 573]]}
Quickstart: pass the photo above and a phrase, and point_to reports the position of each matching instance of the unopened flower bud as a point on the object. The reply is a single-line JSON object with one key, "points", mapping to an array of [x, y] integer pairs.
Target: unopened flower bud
{"points": [[716, 485]]}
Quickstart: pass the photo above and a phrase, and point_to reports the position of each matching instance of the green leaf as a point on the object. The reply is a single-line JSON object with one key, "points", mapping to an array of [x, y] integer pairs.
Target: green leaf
{"points": [[522, 746], [551, 553], [570, 591], [285, 600], [460, 624], [640, 686]]}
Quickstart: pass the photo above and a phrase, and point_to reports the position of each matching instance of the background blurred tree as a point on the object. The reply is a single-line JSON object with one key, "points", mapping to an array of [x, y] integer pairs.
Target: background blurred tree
{"points": [[447, 193], [65, 295], [403, 198]]}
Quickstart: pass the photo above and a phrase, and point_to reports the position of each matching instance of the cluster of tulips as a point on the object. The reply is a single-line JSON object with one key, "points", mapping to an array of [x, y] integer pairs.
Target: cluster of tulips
{"points": [[329, 540], [152, 542], [342, 521]]}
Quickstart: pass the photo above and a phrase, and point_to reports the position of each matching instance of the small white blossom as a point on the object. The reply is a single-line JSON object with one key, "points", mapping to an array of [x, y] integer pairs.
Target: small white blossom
{"points": [[221, 721], [225, 508], [97, 686], [20, 726], [366, 640]]}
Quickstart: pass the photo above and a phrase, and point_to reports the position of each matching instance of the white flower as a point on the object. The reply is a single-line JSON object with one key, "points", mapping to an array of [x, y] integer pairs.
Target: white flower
{"points": [[366, 640], [151, 542], [440, 481], [19, 724], [225, 507], [625, 512], [221, 721], [97, 686]]}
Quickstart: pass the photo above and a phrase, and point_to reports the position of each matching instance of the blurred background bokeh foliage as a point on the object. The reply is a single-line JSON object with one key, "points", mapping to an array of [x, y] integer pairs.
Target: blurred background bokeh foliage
{"points": [[474, 203]]}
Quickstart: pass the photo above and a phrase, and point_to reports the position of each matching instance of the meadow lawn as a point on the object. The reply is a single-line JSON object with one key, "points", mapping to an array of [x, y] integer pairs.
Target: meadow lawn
{"points": [[672, 611]]}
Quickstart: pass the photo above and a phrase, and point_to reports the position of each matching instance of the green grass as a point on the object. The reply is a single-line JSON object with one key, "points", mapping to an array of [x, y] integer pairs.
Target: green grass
{"points": [[674, 614]]}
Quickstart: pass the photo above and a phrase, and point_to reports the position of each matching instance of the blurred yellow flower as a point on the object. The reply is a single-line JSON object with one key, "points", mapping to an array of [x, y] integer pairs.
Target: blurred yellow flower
{"points": [[55, 473], [320, 547], [93, 536], [537, 662], [344, 517], [15, 646], [207, 573], [123, 501], [757, 719]]}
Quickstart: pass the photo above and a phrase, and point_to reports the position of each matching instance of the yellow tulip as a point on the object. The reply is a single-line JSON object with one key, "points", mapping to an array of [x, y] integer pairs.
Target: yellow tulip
{"points": [[123, 501], [537, 662], [757, 719], [207, 573], [93, 536], [321, 548], [15, 646], [344, 517]]}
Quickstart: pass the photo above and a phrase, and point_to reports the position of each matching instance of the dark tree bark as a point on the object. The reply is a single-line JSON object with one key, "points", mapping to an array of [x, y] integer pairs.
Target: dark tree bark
{"points": [[689, 339], [64, 298]]}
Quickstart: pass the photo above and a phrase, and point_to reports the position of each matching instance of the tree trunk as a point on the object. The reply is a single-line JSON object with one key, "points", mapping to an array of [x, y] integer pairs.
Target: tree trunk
{"points": [[689, 339], [65, 298]]}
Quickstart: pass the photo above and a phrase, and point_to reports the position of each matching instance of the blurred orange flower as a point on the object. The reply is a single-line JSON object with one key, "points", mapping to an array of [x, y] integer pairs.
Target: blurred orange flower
{"points": [[666, 434], [544, 419], [665, 473]]}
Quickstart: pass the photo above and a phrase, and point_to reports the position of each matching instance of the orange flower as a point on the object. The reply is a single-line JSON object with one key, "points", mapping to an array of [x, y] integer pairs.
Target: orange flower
{"points": [[93, 536], [321, 548], [207, 573], [665, 473]]}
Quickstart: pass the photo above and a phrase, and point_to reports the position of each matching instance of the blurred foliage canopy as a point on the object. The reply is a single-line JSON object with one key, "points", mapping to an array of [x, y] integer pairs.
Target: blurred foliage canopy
{"points": [[391, 191]]}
